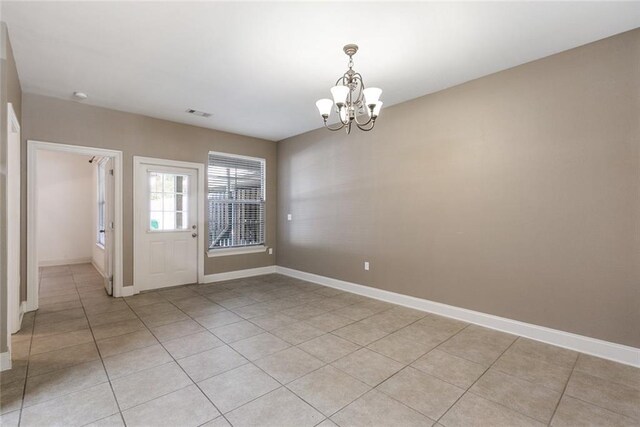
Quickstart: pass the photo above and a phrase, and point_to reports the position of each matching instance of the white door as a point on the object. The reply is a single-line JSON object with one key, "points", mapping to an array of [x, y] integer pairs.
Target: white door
{"points": [[109, 189], [13, 222], [166, 231]]}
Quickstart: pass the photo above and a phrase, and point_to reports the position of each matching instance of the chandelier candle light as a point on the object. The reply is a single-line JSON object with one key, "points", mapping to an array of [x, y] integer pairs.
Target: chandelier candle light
{"points": [[352, 99]]}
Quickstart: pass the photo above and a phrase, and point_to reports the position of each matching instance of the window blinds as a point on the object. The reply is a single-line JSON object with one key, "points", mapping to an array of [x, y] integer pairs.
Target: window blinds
{"points": [[236, 201]]}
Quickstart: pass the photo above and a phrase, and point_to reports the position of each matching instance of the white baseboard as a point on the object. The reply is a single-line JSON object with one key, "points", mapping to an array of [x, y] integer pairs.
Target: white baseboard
{"points": [[239, 274], [128, 291], [55, 262], [23, 310], [607, 350], [218, 277], [97, 267], [5, 361]]}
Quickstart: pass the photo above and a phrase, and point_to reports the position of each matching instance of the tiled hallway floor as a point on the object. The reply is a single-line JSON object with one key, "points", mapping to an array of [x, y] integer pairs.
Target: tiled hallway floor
{"points": [[276, 351]]}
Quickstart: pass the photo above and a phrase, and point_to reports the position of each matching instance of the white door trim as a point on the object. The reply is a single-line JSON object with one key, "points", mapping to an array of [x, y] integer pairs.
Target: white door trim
{"points": [[199, 168], [14, 313], [32, 191]]}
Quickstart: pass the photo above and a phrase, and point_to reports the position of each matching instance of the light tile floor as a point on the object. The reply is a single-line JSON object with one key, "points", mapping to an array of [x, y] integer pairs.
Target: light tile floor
{"points": [[276, 351]]}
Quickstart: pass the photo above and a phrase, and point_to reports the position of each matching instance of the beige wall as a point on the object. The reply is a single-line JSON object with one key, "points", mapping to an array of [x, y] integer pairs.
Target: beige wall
{"points": [[517, 194], [66, 197], [9, 92], [69, 122]]}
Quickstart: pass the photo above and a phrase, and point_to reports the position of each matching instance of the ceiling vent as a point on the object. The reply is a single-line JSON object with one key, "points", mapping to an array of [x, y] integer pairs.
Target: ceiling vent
{"points": [[198, 113]]}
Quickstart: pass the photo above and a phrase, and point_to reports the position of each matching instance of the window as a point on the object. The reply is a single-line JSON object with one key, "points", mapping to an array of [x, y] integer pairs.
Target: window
{"points": [[236, 201], [102, 170], [168, 201]]}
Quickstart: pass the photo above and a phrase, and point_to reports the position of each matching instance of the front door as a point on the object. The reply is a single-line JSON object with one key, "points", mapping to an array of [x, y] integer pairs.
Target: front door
{"points": [[166, 230]]}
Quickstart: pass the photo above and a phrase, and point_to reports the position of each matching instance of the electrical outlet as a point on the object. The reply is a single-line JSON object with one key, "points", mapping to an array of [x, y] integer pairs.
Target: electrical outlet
{"points": [[366, 265], [289, 217], [270, 251]]}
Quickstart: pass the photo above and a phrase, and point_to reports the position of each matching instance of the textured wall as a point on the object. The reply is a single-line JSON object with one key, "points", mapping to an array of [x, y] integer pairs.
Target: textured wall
{"points": [[517, 194]]}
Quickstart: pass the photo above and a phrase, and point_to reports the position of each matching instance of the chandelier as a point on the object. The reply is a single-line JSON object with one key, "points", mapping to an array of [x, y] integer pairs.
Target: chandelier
{"points": [[353, 102]]}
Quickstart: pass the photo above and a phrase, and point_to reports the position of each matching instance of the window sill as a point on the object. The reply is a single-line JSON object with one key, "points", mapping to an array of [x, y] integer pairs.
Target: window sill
{"points": [[236, 251], [100, 246]]}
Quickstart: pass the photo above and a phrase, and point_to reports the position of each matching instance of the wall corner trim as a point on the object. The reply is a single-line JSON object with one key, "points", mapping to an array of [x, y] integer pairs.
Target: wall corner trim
{"points": [[604, 349], [5, 361], [238, 274]]}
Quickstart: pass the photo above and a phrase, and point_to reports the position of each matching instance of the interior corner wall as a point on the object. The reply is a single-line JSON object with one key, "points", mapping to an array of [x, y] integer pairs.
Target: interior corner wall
{"points": [[516, 194], [69, 122], [65, 208], [10, 92]]}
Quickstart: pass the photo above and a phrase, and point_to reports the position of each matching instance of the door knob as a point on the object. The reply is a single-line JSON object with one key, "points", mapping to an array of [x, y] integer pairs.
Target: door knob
{"points": [[194, 235]]}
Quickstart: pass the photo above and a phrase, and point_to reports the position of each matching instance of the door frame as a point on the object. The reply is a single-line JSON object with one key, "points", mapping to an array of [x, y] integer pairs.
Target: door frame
{"points": [[32, 205], [13, 243], [200, 179]]}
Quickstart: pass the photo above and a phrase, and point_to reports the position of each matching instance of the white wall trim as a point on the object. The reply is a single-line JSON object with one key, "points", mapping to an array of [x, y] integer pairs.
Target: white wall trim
{"points": [[23, 310], [128, 291], [32, 255], [12, 271], [5, 361], [243, 250], [238, 274], [97, 267], [55, 262], [607, 350]]}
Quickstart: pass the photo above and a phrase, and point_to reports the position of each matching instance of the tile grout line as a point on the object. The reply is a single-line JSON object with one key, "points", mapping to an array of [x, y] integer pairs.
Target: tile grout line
{"points": [[175, 360], [327, 417], [26, 374], [478, 379], [282, 385], [266, 373], [564, 389], [334, 311], [29, 356], [409, 365], [104, 367], [230, 310]]}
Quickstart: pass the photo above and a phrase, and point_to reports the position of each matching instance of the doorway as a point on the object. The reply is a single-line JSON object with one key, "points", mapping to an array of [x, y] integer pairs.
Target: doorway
{"points": [[75, 199], [168, 223]]}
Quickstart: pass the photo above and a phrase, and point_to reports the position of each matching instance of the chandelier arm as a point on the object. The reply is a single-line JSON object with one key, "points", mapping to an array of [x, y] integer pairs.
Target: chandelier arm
{"points": [[365, 123], [373, 123], [334, 129], [354, 104]]}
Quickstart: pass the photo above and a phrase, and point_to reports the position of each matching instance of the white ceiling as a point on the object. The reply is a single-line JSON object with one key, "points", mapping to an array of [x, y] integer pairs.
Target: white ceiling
{"points": [[260, 67]]}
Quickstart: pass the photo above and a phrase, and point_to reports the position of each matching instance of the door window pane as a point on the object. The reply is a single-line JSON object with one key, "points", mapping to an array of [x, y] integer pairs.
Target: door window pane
{"points": [[168, 201]]}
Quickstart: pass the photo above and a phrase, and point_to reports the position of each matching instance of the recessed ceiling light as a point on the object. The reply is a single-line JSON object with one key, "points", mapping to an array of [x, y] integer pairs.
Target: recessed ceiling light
{"points": [[198, 113], [80, 95]]}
